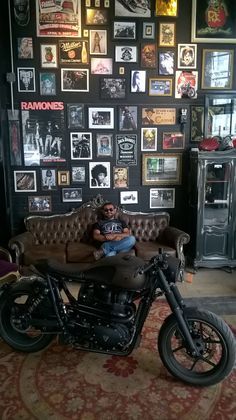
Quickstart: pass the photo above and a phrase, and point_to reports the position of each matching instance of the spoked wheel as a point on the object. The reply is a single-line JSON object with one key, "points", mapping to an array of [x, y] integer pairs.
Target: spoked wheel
{"points": [[16, 324], [212, 337]]}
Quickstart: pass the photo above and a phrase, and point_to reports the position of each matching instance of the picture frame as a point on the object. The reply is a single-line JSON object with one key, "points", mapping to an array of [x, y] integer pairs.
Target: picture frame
{"points": [[186, 84], [166, 63], [47, 83], [48, 179], [218, 76], [187, 56], [148, 55], [148, 139], [128, 118], [164, 8], [173, 140], [25, 181], [167, 34], [63, 178], [98, 41], [126, 54], [99, 175], [81, 146], [73, 51], [26, 79], [213, 25], [120, 177], [104, 144], [126, 149], [74, 80], [158, 116], [48, 56], [96, 17], [148, 30], [124, 30], [101, 117], [121, 70], [25, 48], [197, 123], [127, 9], [161, 168], [39, 203], [70, 195], [162, 198], [112, 88], [15, 139], [78, 174], [160, 86], [101, 65], [129, 197], [138, 81], [75, 115]]}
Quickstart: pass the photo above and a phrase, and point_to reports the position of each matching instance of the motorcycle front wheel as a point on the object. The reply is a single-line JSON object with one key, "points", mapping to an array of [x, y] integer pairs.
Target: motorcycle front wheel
{"points": [[15, 321], [211, 336]]}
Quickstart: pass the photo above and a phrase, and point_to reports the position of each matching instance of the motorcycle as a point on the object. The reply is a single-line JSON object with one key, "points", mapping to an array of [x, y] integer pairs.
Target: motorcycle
{"points": [[107, 315]]}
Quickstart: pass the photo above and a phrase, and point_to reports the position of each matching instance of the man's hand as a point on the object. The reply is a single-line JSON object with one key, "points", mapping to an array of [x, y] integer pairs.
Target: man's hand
{"points": [[115, 236]]}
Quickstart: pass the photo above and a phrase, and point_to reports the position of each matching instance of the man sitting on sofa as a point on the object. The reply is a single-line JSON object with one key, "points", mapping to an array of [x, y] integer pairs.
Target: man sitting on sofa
{"points": [[112, 232]]}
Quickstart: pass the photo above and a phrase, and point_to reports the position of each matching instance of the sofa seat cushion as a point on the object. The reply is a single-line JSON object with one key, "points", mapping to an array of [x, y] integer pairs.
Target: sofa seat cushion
{"points": [[147, 250], [80, 252], [38, 252]]}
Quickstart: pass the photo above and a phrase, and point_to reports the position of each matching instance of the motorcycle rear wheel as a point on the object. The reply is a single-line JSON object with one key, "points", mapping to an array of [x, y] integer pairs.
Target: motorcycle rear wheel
{"points": [[213, 338], [13, 305]]}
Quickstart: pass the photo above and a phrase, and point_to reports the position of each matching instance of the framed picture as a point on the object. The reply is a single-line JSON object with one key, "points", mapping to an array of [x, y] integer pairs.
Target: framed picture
{"points": [[101, 118], [104, 142], [75, 80], [98, 41], [96, 17], [158, 116], [160, 87], [48, 179], [71, 194], [173, 140], [47, 82], [166, 8], [101, 65], [124, 30], [25, 48], [121, 70], [186, 84], [148, 30], [78, 174], [25, 181], [167, 34], [63, 178], [148, 139], [161, 168], [39, 203], [81, 146], [129, 197], [213, 22], [138, 81], [15, 140], [126, 149], [162, 198], [74, 52], [131, 9], [197, 123], [99, 175], [126, 54], [112, 88], [120, 177], [128, 118], [75, 116], [48, 55], [26, 79], [217, 69], [166, 63], [187, 56], [148, 55]]}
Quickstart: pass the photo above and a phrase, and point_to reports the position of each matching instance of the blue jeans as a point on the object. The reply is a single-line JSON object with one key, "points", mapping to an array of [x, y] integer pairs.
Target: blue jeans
{"points": [[114, 247]]}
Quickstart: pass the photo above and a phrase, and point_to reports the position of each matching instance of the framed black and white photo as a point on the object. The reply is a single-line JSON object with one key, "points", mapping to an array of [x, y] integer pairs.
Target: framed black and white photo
{"points": [[162, 198], [48, 55], [101, 118], [96, 16], [47, 83], [75, 116], [126, 149], [128, 116], [81, 146], [39, 203], [98, 41], [78, 174], [112, 88], [126, 54], [132, 9], [187, 56], [25, 181], [104, 143], [74, 52], [99, 175], [26, 79], [101, 65], [48, 179], [124, 30], [148, 30], [138, 81], [148, 139], [25, 48], [166, 63], [74, 80], [71, 194], [129, 197]]}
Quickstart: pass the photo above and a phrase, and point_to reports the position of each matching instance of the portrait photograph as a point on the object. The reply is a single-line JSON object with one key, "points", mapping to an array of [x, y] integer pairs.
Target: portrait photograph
{"points": [[166, 8], [186, 84], [187, 56], [129, 197], [98, 41], [101, 65], [78, 174], [26, 79], [167, 34], [173, 140], [75, 80], [112, 88], [138, 81], [120, 177], [75, 116], [128, 116], [71, 194], [101, 118], [39, 204], [161, 168], [148, 55], [124, 30], [48, 54], [160, 87], [81, 145], [166, 63], [74, 52], [148, 139], [136, 8], [25, 48], [25, 181], [162, 198], [48, 179], [126, 54], [47, 83], [99, 175], [104, 143], [96, 16], [148, 30]]}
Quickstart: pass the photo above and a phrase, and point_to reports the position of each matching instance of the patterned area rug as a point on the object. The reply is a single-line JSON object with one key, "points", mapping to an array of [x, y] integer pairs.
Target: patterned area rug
{"points": [[60, 383]]}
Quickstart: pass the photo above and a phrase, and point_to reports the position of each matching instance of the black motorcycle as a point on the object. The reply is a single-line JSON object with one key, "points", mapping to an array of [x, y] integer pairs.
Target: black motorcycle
{"points": [[108, 315]]}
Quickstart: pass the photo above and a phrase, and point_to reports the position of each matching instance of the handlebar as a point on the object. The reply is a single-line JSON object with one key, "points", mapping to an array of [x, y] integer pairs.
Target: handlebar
{"points": [[159, 260]]}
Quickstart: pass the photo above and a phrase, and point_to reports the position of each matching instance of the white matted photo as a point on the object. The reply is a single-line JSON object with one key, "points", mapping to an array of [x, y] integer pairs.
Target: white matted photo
{"points": [[81, 145], [101, 118], [138, 81], [74, 80], [101, 65], [129, 197], [71, 194], [26, 79], [25, 48], [124, 30], [98, 41], [187, 56], [25, 181], [126, 54], [162, 198], [48, 54], [78, 174], [48, 179], [148, 139], [99, 175]]}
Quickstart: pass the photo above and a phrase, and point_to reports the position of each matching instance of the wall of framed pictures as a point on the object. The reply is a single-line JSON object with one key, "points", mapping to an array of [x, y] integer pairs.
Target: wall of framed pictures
{"points": [[100, 85]]}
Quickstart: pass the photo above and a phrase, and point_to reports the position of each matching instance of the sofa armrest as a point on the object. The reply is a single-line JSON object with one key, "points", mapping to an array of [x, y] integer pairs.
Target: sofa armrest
{"points": [[19, 244], [175, 238], [5, 255]]}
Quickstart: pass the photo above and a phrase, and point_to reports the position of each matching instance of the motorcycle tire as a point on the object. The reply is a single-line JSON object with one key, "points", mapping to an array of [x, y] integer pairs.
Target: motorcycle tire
{"points": [[213, 338], [12, 303]]}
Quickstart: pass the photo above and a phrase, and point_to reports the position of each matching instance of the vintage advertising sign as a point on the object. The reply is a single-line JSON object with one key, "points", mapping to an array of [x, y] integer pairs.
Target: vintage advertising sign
{"points": [[126, 149], [158, 116], [73, 51]]}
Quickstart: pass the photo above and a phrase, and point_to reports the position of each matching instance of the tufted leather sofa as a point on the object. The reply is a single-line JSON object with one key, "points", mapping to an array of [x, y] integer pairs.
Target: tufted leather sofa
{"points": [[67, 237]]}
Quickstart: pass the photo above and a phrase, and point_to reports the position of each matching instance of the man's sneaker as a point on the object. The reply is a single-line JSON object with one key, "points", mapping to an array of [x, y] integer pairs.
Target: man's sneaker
{"points": [[98, 254]]}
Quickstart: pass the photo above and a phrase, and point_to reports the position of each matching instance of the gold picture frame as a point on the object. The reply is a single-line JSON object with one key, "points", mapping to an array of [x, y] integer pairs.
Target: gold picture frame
{"points": [[164, 8], [63, 177], [161, 169]]}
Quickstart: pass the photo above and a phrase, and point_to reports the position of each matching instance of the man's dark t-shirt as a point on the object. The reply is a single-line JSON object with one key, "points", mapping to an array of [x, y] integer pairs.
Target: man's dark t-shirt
{"points": [[110, 226]]}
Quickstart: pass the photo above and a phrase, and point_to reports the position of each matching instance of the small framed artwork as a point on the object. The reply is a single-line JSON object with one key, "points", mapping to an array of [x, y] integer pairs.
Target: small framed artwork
{"points": [[71, 194], [137, 9], [217, 69], [26, 79], [167, 34], [74, 52], [128, 116], [75, 80], [81, 146], [98, 41], [121, 70], [106, 3], [25, 48], [111, 88], [124, 30], [99, 175], [148, 139], [129, 197], [101, 65], [39, 203], [187, 56], [63, 178], [126, 54], [85, 33], [104, 144], [47, 82], [166, 63], [75, 116], [96, 17], [197, 123], [166, 8], [87, 3], [25, 181], [97, 3], [138, 81], [48, 54], [120, 177], [160, 87], [101, 118], [48, 179], [174, 140], [148, 55], [186, 83], [161, 168], [162, 198], [148, 30], [78, 174]]}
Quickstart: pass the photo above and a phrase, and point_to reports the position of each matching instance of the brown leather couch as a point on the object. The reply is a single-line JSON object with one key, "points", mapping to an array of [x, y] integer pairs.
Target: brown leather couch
{"points": [[67, 237]]}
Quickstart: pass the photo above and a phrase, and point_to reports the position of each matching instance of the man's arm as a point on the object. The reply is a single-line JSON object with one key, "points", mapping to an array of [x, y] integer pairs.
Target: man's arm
{"points": [[98, 236]]}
